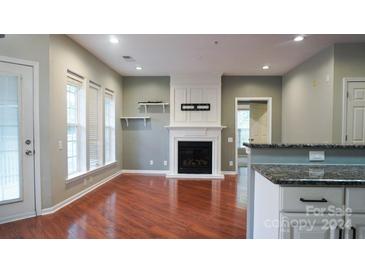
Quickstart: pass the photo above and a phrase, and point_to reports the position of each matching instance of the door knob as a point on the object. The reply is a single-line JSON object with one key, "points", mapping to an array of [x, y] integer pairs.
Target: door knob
{"points": [[29, 152]]}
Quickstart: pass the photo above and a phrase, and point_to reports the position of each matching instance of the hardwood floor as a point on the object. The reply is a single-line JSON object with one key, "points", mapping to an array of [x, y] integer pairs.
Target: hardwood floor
{"points": [[137, 206]]}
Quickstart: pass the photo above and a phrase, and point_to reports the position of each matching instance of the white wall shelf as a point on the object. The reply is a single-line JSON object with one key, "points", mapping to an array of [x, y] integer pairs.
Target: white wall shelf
{"points": [[145, 105], [144, 118]]}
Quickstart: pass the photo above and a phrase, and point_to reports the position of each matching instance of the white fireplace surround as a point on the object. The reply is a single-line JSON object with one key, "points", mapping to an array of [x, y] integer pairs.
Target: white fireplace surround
{"points": [[195, 133]]}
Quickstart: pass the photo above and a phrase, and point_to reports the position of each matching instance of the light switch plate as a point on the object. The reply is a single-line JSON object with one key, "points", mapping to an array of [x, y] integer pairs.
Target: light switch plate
{"points": [[230, 163], [316, 156], [60, 145], [151, 162], [230, 139], [165, 163]]}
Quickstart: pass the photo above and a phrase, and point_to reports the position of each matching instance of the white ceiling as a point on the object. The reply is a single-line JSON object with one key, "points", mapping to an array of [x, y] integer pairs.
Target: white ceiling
{"points": [[191, 54]]}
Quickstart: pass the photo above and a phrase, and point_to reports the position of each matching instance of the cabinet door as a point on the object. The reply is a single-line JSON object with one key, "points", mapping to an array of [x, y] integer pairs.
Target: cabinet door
{"points": [[355, 226], [304, 226]]}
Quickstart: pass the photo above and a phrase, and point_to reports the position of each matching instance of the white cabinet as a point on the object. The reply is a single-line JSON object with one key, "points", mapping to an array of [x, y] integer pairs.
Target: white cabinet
{"points": [[308, 226], [355, 226], [307, 212]]}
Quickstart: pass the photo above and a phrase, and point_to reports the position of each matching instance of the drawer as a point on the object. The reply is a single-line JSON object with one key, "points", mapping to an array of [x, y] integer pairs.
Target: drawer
{"points": [[355, 199], [297, 199]]}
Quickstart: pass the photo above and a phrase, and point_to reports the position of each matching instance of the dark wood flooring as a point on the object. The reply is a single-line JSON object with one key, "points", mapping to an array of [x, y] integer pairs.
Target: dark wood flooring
{"points": [[137, 206]]}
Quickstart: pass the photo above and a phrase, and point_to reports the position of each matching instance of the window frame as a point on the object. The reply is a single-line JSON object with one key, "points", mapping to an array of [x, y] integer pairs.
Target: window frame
{"points": [[100, 125], [83, 160], [79, 124], [112, 140]]}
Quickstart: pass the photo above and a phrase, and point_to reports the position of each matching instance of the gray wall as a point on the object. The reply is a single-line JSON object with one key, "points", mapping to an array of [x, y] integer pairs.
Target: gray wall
{"points": [[247, 86], [307, 100], [142, 144], [349, 62], [66, 54], [35, 48]]}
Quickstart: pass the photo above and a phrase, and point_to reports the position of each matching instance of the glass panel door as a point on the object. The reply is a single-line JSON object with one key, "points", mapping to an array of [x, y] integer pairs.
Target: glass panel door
{"points": [[10, 181]]}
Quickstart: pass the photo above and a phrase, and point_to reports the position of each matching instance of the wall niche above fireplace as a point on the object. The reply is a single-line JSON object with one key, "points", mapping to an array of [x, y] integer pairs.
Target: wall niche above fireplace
{"points": [[195, 157]]}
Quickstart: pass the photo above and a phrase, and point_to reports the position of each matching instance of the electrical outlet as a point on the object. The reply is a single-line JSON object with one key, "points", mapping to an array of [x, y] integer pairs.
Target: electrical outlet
{"points": [[230, 163], [165, 163], [151, 162], [316, 156], [230, 140]]}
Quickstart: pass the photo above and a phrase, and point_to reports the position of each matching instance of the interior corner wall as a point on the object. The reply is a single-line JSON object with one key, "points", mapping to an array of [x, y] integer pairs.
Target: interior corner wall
{"points": [[66, 54], [247, 86], [307, 111], [349, 62], [35, 48], [142, 144]]}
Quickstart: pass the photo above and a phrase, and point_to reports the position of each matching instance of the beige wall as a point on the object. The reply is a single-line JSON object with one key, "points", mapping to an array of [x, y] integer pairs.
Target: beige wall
{"points": [[349, 62], [307, 100], [66, 54], [35, 48], [247, 86]]}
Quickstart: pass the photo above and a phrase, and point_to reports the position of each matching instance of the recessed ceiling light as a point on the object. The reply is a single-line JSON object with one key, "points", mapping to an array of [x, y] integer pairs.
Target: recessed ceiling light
{"points": [[113, 40], [266, 67], [138, 68], [299, 38]]}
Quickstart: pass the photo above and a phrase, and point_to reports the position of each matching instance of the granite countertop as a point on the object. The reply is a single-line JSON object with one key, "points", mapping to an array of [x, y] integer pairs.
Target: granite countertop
{"points": [[313, 175], [321, 146]]}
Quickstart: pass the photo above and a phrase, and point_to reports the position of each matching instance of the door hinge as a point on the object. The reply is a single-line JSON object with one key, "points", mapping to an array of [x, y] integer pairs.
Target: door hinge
{"points": [[346, 138], [347, 94]]}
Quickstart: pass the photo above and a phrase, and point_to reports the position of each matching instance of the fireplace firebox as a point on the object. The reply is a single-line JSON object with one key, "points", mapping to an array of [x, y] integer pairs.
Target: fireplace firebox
{"points": [[195, 157]]}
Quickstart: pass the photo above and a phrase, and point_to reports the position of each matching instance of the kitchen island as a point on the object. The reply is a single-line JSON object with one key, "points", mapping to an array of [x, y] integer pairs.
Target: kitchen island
{"points": [[293, 190]]}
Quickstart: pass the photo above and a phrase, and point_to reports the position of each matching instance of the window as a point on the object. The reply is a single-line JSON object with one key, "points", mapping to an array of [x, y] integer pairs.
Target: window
{"points": [[109, 126], [94, 128], [243, 127], [75, 126], [90, 126]]}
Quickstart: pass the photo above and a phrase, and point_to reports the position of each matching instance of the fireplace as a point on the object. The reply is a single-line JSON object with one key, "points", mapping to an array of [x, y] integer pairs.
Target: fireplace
{"points": [[194, 157]]}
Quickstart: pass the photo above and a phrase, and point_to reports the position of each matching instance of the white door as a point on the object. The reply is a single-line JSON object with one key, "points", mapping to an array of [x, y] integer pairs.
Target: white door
{"points": [[356, 226], [16, 142], [304, 226], [258, 123], [355, 126]]}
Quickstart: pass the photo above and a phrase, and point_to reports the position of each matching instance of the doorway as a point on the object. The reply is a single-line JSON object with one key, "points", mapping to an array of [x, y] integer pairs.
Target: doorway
{"points": [[353, 120], [252, 125], [19, 193]]}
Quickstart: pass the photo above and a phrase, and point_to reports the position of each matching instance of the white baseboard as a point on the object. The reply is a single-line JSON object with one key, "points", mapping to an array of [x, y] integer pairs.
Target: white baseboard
{"points": [[17, 217], [229, 172], [195, 176], [146, 171], [77, 196]]}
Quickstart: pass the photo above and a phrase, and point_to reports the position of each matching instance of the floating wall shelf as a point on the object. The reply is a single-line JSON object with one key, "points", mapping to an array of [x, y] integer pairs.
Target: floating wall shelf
{"points": [[145, 118], [145, 105]]}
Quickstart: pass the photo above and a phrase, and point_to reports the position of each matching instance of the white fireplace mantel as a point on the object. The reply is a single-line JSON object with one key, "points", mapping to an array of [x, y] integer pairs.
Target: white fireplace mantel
{"points": [[195, 133]]}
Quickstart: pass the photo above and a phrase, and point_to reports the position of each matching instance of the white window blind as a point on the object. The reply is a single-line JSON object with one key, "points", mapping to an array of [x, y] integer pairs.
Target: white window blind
{"points": [[94, 115], [75, 126], [109, 126]]}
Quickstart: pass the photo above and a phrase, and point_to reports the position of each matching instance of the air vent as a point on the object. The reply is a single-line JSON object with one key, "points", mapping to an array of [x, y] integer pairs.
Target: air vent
{"points": [[128, 58]]}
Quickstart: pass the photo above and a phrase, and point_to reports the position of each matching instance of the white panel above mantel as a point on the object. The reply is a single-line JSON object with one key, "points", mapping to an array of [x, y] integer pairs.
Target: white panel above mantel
{"points": [[190, 89]]}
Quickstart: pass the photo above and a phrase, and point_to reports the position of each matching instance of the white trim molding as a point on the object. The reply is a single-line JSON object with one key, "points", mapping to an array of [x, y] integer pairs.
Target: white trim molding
{"points": [[145, 171], [230, 173], [36, 130], [78, 195], [269, 120], [345, 82]]}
